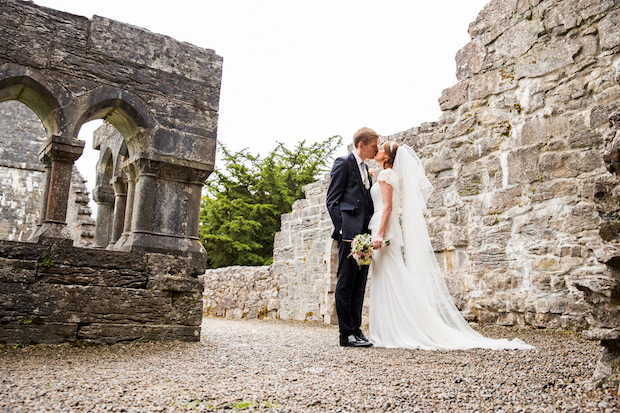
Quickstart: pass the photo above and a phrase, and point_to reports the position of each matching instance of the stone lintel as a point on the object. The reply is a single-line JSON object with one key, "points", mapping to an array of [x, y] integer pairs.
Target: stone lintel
{"points": [[59, 294]]}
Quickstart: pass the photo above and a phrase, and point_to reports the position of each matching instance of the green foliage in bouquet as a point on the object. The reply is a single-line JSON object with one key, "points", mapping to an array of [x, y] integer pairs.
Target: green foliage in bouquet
{"points": [[244, 198]]}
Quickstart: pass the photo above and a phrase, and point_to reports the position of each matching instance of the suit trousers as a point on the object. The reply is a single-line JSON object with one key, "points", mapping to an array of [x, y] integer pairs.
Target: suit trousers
{"points": [[350, 290]]}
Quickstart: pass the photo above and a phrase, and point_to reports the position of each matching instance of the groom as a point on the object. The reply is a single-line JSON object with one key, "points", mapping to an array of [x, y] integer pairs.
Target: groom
{"points": [[350, 207]]}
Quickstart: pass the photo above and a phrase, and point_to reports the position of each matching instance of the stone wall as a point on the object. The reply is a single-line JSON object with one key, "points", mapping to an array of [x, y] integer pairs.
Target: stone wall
{"points": [[55, 293], [305, 258], [22, 177], [515, 160], [241, 292]]}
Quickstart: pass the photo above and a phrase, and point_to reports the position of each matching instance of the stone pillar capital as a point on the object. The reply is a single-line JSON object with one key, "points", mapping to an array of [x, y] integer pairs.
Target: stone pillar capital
{"points": [[103, 194], [120, 186], [63, 150], [164, 207], [179, 172], [147, 167]]}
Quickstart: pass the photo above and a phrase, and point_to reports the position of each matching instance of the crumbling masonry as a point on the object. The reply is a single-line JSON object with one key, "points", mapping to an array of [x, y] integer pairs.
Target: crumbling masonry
{"points": [[162, 96]]}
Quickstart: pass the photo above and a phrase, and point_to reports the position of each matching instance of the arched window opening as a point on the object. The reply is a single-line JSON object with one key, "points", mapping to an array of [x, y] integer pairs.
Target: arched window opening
{"points": [[103, 195], [119, 123], [110, 189], [34, 96], [23, 177]]}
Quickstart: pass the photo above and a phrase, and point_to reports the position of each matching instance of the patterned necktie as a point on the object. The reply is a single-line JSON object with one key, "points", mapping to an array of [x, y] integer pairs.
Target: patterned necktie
{"points": [[365, 176]]}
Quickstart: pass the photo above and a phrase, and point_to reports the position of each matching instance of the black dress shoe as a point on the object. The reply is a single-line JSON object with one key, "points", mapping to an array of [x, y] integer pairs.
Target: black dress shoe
{"points": [[362, 337], [353, 341]]}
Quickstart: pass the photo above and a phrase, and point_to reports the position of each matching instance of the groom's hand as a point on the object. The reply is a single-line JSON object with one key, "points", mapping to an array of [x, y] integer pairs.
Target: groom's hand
{"points": [[377, 243]]}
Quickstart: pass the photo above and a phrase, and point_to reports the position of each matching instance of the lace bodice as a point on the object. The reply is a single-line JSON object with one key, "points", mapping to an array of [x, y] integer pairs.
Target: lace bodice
{"points": [[386, 175], [393, 231]]}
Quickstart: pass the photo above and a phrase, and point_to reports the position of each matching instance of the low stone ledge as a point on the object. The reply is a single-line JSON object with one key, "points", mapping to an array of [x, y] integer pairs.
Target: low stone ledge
{"points": [[60, 253], [113, 333], [50, 294]]}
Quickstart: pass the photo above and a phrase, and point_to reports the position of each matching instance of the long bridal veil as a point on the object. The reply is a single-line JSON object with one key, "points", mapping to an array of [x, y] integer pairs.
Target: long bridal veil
{"points": [[420, 260]]}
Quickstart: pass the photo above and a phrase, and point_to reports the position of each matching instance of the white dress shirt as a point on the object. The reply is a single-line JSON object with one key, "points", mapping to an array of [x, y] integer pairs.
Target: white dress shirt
{"points": [[362, 169]]}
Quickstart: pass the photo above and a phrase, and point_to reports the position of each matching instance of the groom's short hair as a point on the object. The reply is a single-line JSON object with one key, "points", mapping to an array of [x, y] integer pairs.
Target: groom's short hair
{"points": [[365, 135]]}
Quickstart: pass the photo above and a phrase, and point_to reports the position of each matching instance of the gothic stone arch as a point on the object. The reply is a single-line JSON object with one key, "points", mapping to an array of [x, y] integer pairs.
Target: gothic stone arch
{"points": [[162, 97]]}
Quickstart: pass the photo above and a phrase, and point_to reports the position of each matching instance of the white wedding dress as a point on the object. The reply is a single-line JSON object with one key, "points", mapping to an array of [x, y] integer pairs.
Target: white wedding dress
{"points": [[410, 306]]}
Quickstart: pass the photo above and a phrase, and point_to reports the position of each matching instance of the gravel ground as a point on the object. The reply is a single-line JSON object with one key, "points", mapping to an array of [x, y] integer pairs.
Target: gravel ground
{"points": [[285, 366]]}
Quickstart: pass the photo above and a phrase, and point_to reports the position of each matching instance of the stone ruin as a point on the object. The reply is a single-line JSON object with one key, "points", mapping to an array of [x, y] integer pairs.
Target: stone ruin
{"points": [[603, 292], [162, 96], [524, 217]]}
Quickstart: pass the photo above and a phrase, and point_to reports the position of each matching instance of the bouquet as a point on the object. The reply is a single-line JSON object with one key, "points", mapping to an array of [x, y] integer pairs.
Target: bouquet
{"points": [[361, 249]]}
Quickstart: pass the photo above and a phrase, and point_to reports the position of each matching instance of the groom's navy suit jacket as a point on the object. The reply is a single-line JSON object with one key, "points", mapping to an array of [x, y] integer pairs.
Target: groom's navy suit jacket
{"points": [[348, 201]]}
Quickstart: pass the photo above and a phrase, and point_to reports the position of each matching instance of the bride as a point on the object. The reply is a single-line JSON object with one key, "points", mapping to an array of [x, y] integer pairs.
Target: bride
{"points": [[410, 305]]}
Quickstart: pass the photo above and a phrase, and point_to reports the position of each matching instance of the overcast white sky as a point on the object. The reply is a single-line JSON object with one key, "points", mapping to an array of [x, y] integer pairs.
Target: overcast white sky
{"points": [[310, 69]]}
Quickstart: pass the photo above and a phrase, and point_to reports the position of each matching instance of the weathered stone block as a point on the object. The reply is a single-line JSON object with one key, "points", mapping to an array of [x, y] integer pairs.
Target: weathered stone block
{"points": [[533, 132], [609, 32], [28, 332], [523, 165], [518, 39], [544, 59], [562, 17], [454, 96], [160, 264], [491, 83], [469, 60], [502, 200], [568, 164], [12, 271], [174, 283], [113, 333], [71, 275]]}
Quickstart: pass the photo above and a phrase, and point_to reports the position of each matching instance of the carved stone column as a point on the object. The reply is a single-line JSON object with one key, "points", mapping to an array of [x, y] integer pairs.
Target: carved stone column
{"points": [[61, 154], [120, 203], [46, 189], [145, 196], [166, 209], [125, 229], [104, 197]]}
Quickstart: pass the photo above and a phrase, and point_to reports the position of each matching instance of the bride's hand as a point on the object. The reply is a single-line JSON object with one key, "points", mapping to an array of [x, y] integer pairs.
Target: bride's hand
{"points": [[377, 243]]}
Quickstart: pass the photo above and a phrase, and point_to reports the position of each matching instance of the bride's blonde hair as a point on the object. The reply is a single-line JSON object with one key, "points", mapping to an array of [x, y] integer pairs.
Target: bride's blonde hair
{"points": [[390, 148]]}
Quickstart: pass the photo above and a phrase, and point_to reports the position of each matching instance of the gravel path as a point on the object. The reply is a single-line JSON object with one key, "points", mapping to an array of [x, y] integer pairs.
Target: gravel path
{"points": [[283, 366]]}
